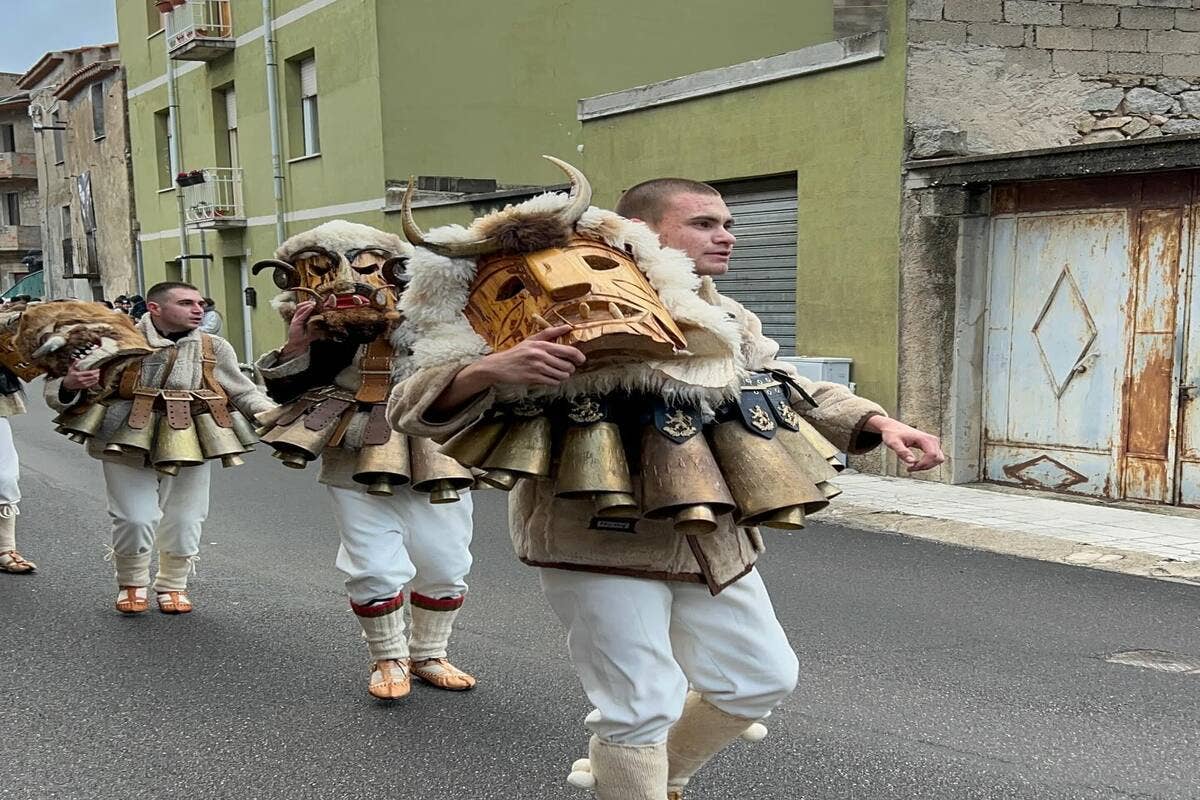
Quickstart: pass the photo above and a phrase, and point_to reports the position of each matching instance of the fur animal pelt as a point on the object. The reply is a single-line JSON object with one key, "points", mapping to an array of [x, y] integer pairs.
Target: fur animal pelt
{"points": [[54, 335]]}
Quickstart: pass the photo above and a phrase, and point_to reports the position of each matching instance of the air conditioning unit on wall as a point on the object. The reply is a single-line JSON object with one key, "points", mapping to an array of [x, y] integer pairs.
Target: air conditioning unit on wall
{"points": [[823, 368]]}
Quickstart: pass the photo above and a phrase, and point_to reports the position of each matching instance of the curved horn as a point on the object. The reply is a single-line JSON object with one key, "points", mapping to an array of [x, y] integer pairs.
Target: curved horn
{"points": [[581, 191], [416, 236], [290, 277], [49, 346]]}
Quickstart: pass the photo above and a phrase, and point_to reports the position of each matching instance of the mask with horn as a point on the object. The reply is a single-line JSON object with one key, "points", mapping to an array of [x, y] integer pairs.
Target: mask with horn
{"points": [[353, 272], [534, 271]]}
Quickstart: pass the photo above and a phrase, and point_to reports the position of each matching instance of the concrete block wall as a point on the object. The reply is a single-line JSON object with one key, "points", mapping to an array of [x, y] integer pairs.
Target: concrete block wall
{"points": [[1068, 71]]}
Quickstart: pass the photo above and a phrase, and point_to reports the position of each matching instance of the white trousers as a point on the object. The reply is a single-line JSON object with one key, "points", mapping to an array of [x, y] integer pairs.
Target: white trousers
{"points": [[636, 645], [149, 509], [10, 466], [388, 543]]}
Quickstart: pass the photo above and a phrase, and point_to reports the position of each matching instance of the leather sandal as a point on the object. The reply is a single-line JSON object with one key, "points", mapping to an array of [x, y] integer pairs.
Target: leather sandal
{"points": [[14, 562], [132, 600], [390, 679], [174, 602], [442, 674]]}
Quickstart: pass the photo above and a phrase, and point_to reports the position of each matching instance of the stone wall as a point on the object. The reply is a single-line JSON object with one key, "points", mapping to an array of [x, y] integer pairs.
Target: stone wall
{"points": [[988, 76]]}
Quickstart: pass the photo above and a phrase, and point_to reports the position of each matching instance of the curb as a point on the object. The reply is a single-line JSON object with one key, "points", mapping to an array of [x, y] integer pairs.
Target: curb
{"points": [[1014, 543]]}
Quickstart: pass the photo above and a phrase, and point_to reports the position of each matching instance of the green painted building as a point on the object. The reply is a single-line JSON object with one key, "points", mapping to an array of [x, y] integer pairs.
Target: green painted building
{"points": [[760, 96]]}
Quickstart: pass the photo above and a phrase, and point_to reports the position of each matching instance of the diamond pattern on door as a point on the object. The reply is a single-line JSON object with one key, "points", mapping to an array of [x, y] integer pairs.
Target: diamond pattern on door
{"points": [[1064, 332]]}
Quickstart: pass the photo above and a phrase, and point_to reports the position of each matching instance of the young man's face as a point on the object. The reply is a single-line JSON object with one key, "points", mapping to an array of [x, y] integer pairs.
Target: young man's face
{"points": [[699, 225], [180, 310]]}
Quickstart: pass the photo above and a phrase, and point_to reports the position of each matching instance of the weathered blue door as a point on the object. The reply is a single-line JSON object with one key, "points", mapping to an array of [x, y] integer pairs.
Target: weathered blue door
{"points": [[1088, 325]]}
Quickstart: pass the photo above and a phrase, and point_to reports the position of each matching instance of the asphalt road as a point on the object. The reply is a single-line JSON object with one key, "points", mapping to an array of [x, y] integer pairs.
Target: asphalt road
{"points": [[927, 671]]}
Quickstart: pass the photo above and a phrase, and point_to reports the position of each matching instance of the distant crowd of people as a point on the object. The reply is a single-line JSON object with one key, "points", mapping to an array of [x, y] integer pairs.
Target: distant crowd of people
{"points": [[135, 306]]}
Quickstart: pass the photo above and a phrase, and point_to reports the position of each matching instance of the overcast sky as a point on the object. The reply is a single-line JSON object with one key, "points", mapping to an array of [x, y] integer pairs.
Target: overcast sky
{"points": [[30, 28]]}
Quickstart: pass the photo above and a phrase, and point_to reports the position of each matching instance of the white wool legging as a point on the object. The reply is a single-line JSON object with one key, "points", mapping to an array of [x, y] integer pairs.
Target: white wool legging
{"points": [[10, 467], [389, 543], [637, 644], [150, 510]]}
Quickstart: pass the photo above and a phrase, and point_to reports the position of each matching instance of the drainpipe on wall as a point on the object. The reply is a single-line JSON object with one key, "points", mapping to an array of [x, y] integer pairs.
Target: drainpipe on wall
{"points": [[204, 263], [247, 327], [273, 114], [39, 163], [173, 125], [139, 264]]}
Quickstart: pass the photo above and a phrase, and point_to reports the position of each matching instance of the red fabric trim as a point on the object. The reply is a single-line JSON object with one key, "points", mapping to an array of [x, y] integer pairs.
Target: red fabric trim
{"points": [[379, 608], [437, 603]]}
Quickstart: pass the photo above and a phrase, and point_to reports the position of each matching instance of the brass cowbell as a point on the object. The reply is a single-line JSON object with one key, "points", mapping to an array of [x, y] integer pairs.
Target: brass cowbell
{"points": [[218, 442], [175, 448], [382, 466]]}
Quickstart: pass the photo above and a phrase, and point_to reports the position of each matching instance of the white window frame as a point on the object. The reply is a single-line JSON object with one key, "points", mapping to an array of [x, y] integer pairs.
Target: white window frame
{"points": [[310, 121]]}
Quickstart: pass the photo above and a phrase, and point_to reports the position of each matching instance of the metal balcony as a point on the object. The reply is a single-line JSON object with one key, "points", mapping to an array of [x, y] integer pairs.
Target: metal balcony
{"points": [[203, 30], [22, 166], [216, 201]]}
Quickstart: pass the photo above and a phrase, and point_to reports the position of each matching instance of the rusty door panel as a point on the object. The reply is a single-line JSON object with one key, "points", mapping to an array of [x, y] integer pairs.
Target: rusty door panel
{"points": [[1148, 467], [1188, 448], [1092, 375]]}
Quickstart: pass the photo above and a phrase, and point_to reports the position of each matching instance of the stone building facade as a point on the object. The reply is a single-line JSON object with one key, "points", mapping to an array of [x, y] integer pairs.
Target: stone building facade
{"points": [[1048, 243], [78, 100], [1002, 75], [20, 236]]}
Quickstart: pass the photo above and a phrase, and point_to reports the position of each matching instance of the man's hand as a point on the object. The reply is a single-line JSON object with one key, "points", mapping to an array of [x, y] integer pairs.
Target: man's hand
{"points": [[298, 337], [900, 437], [78, 379], [537, 361]]}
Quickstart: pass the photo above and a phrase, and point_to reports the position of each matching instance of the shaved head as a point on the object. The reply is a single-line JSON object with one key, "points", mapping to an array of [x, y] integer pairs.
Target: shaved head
{"points": [[649, 200]]}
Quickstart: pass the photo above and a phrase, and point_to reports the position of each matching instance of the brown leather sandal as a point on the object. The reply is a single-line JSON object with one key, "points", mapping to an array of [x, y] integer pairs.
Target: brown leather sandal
{"points": [[442, 674], [390, 679], [174, 602], [132, 600], [13, 562]]}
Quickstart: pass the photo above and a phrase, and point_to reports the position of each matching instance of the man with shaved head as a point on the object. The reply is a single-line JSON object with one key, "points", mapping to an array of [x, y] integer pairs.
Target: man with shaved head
{"points": [[150, 510], [672, 634]]}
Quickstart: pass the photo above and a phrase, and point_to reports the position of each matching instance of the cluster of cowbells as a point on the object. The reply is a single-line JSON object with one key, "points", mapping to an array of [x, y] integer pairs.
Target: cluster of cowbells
{"points": [[165, 446], [300, 439], [769, 470]]}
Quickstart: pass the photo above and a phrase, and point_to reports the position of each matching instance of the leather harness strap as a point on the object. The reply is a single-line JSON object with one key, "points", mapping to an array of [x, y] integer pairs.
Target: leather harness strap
{"points": [[215, 397], [376, 369], [129, 379], [377, 430], [177, 402]]}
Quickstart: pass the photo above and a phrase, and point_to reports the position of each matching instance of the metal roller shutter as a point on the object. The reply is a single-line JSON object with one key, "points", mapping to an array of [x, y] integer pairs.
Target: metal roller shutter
{"points": [[762, 272]]}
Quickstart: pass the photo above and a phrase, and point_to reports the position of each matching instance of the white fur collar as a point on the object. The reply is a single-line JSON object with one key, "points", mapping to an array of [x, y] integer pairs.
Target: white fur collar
{"points": [[710, 369]]}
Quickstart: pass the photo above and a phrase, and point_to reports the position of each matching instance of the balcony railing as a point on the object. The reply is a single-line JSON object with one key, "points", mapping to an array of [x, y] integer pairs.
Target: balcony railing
{"points": [[18, 165], [215, 200], [203, 30]]}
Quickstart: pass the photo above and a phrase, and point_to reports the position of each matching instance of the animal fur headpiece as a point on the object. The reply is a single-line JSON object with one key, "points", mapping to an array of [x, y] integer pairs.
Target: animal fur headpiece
{"points": [[451, 262], [353, 272], [51, 336]]}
